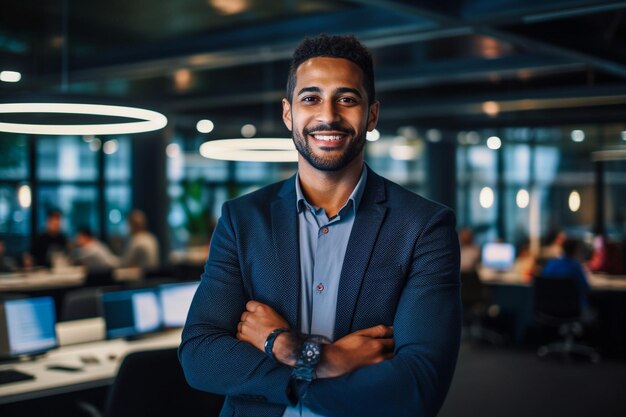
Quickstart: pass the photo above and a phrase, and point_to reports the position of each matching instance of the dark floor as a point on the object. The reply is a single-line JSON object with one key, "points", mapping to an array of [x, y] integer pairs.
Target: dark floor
{"points": [[499, 382]]}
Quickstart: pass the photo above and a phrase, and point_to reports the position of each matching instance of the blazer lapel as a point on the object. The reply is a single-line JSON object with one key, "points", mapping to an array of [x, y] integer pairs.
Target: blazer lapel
{"points": [[369, 218], [285, 238]]}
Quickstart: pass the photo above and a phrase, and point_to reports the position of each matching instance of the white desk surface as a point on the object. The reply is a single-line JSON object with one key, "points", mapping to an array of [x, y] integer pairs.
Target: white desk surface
{"points": [[42, 279], [109, 354], [597, 282], [57, 278]]}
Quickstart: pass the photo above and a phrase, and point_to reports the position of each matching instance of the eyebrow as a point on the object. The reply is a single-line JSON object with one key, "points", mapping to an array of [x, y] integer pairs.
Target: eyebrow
{"points": [[343, 90], [340, 90], [310, 90]]}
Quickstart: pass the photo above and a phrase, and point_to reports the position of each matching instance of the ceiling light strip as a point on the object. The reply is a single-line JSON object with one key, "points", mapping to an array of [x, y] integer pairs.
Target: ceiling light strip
{"points": [[250, 150], [148, 120]]}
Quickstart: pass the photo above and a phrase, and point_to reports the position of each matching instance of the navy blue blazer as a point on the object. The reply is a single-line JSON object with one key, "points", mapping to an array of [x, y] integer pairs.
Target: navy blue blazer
{"points": [[401, 268]]}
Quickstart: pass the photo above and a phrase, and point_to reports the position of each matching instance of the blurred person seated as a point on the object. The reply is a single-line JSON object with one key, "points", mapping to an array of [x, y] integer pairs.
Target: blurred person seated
{"points": [[526, 263], [606, 256], [50, 244], [568, 266], [92, 253], [7, 264], [143, 247], [554, 248], [470, 252]]}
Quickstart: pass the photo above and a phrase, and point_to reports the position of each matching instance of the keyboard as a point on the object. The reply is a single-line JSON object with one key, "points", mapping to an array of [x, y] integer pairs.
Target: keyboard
{"points": [[11, 375]]}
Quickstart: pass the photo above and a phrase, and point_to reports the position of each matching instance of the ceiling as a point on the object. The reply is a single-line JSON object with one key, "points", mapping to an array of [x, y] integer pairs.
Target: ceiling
{"points": [[438, 63]]}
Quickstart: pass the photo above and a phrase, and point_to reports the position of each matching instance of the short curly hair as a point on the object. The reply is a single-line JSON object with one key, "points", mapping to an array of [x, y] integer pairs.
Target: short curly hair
{"points": [[334, 46]]}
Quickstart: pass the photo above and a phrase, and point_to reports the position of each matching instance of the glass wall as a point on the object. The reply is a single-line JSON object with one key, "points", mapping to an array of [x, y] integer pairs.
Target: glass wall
{"points": [[198, 186], [15, 193], [528, 183], [87, 178], [545, 171]]}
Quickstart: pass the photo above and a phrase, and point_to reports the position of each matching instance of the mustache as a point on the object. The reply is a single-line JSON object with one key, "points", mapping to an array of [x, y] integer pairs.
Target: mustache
{"points": [[335, 126]]}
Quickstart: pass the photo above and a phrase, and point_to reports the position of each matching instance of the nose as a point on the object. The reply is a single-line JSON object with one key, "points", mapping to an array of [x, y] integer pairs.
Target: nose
{"points": [[328, 112]]}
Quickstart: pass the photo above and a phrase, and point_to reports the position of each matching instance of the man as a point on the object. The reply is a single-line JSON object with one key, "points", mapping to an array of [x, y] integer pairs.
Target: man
{"points": [[92, 253], [569, 267], [51, 242], [335, 292], [143, 248], [554, 249]]}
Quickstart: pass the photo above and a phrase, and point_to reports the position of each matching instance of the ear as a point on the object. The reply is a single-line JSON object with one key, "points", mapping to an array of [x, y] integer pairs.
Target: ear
{"points": [[372, 118], [287, 114]]}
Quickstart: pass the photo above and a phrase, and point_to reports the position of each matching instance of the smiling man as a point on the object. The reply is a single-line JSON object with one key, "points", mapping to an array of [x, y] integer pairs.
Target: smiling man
{"points": [[335, 292]]}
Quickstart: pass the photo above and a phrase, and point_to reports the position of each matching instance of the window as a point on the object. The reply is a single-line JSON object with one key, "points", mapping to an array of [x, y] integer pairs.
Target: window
{"points": [[15, 194], [66, 175]]}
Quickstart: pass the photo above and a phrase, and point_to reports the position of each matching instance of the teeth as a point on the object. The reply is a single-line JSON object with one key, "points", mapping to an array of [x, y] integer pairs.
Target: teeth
{"points": [[327, 137]]}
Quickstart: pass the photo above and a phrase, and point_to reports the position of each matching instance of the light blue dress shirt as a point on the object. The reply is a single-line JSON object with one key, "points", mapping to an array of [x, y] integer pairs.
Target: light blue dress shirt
{"points": [[323, 244]]}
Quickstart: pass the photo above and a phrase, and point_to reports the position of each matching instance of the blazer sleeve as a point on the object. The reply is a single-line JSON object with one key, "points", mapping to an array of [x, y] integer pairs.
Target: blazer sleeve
{"points": [[212, 358], [427, 327]]}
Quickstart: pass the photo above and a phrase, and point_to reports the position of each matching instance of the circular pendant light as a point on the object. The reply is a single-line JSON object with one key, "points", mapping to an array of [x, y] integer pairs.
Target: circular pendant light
{"points": [[251, 150], [145, 120]]}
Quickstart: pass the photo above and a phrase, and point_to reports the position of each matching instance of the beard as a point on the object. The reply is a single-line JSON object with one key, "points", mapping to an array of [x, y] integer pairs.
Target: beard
{"points": [[328, 162]]}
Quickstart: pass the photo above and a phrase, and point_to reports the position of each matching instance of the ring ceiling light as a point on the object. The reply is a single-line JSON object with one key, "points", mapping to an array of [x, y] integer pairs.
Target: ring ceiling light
{"points": [[147, 120], [251, 150]]}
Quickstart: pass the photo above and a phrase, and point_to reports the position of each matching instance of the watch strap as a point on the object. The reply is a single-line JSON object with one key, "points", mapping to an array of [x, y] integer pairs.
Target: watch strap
{"points": [[271, 338], [309, 355]]}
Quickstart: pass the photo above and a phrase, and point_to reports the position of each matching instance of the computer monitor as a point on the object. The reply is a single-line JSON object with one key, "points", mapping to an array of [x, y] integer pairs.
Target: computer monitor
{"points": [[175, 301], [27, 326], [130, 313], [498, 256]]}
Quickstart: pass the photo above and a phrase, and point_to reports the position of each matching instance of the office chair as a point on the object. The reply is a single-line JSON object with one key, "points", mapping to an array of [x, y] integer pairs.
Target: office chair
{"points": [[81, 304], [478, 309], [151, 383], [160, 273], [557, 304], [99, 278]]}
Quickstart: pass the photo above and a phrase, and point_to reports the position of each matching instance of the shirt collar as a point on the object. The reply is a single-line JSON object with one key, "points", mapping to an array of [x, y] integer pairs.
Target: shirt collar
{"points": [[355, 196]]}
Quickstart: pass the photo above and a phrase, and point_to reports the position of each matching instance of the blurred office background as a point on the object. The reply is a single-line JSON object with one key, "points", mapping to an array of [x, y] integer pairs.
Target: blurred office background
{"points": [[512, 112]]}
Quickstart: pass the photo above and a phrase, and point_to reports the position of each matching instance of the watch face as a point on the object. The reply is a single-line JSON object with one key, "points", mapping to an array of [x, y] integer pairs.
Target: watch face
{"points": [[311, 352]]}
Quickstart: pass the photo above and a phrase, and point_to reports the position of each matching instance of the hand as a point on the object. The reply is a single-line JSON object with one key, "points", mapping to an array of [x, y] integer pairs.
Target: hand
{"points": [[361, 348], [257, 322]]}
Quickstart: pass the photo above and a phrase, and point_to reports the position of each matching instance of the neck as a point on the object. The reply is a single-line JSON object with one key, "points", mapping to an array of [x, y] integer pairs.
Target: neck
{"points": [[329, 190]]}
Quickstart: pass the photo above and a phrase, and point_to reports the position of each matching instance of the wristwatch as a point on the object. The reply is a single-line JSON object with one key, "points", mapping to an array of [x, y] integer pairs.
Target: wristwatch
{"points": [[271, 338], [309, 356]]}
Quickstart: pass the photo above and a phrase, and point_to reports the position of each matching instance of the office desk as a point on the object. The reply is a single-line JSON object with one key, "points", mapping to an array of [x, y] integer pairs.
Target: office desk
{"points": [[52, 382], [597, 281], [53, 279], [514, 296], [42, 279], [605, 282]]}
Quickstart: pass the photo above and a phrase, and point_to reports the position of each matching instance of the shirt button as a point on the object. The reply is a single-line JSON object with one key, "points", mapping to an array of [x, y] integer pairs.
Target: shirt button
{"points": [[324, 229], [320, 287]]}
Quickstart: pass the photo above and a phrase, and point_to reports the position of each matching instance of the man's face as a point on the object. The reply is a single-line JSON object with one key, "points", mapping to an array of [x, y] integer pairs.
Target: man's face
{"points": [[329, 114], [54, 224], [81, 239]]}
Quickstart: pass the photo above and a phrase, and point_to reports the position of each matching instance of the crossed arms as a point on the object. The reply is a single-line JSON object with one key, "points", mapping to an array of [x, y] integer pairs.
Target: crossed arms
{"points": [[359, 374], [356, 350]]}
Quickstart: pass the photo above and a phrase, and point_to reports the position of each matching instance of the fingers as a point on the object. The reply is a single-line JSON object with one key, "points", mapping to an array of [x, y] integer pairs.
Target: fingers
{"points": [[383, 357], [240, 327], [387, 345], [240, 334], [380, 331], [253, 305], [251, 308]]}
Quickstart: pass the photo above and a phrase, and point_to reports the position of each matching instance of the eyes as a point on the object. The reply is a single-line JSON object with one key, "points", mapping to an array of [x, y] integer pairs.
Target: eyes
{"points": [[343, 100]]}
